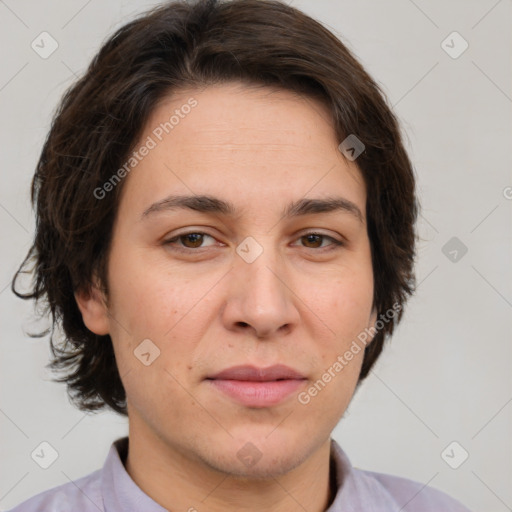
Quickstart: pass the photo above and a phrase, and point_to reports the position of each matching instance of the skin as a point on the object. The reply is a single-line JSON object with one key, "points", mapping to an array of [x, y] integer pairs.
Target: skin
{"points": [[301, 302]]}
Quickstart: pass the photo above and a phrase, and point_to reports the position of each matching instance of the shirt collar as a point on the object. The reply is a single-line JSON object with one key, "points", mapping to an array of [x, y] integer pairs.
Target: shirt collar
{"points": [[355, 489]]}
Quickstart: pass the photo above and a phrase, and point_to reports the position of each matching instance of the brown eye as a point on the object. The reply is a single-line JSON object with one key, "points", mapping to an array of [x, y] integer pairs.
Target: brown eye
{"points": [[315, 241], [195, 240], [192, 240]]}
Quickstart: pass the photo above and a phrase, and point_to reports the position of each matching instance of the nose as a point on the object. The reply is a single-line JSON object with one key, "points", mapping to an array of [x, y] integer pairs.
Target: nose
{"points": [[260, 297]]}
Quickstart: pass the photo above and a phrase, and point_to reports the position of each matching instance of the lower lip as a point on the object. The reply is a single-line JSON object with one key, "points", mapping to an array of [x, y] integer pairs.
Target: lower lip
{"points": [[258, 394]]}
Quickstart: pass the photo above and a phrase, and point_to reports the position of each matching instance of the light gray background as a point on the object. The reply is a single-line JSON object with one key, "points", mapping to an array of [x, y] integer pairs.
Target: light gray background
{"points": [[446, 376]]}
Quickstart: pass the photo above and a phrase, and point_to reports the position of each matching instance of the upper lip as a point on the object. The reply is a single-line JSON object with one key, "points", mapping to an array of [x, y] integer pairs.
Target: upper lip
{"points": [[252, 373]]}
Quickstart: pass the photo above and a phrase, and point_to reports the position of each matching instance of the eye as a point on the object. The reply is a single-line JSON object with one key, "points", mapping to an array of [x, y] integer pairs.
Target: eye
{"points": [[192, 240], [317, 239]]}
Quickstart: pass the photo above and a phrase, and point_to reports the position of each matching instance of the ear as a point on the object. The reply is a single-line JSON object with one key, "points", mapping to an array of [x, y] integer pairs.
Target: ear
{"points": [[94, 310]]}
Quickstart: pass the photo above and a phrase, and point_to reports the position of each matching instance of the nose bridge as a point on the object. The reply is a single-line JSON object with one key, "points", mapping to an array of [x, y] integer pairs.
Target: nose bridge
{"points": [[261, 296], [262, 275], [260, 268]]}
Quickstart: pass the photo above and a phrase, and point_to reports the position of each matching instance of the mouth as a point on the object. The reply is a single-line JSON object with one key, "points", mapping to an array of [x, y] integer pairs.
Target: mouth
{"points": [[257, 387]]}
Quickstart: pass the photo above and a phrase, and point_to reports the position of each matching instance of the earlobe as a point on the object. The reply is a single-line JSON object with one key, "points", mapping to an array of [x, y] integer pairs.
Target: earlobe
{"points": [[94, 310]]}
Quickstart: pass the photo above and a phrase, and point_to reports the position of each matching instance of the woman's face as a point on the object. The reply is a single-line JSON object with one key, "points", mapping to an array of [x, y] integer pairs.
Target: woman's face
{"points": [[233, 265]]}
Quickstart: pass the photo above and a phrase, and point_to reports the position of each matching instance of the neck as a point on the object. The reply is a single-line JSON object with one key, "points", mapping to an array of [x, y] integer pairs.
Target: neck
{"points": [[179, 480]]}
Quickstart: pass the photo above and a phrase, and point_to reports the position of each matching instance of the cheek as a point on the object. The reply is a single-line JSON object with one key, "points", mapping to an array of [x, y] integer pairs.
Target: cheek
{"points": [[170, 310], [344, 304], [151, 301]]}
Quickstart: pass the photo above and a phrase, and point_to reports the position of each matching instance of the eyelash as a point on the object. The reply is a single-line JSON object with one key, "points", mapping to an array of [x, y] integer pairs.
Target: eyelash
{"points": [[334, 242]]}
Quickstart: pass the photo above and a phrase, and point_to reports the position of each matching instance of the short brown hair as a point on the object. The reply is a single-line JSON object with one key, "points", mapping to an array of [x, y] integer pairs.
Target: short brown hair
{"points": [[183, 45]]}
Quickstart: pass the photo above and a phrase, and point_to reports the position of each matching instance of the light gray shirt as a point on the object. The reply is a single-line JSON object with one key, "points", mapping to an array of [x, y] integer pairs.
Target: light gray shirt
{"points": [[111, 489]]}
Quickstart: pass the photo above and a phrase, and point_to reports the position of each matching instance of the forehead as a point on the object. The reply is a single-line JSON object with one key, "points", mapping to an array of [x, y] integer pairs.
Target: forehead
{"points": [[240, 143]]}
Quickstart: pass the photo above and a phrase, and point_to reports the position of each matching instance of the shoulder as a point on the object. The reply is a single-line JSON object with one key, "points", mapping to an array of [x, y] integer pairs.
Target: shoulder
{"points": [[83, 494], [412, 496]]}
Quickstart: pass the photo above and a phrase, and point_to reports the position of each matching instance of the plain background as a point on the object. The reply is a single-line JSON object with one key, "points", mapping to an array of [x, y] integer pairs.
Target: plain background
{"points": [[446, 375]]}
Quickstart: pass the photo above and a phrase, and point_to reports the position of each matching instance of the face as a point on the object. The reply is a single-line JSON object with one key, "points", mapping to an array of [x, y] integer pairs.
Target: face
{"points": [[239, 279]]}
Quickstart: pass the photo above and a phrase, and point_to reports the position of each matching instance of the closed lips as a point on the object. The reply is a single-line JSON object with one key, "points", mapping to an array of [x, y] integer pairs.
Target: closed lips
{"points": [[255, 374]]}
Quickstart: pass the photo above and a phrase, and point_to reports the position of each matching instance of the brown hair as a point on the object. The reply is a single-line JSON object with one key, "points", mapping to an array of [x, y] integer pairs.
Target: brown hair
{"points": [[183, 45]]}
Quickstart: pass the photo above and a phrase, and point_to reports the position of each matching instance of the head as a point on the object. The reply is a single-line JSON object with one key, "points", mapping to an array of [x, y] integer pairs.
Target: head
{"points": [[242, 106]]}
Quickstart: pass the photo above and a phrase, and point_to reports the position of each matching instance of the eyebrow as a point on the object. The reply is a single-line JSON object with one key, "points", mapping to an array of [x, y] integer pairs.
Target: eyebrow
{"points": [[211, 204]]}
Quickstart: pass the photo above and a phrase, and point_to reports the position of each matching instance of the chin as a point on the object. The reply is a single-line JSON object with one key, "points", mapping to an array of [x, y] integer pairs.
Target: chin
{"points": [[248, 463], [260, 452]]}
